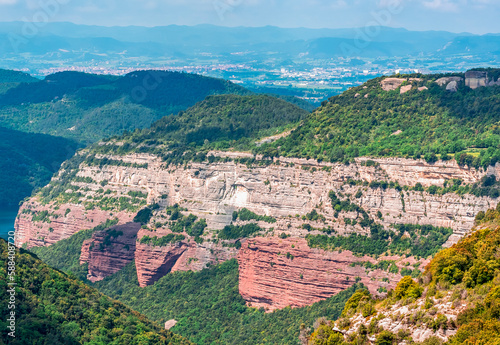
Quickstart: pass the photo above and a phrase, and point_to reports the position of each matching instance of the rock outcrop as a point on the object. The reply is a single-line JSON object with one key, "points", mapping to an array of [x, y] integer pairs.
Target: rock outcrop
{"points": [[152, 262], [110, 250], [390, 84], [447, 80], [60, 222], [475, 79], [275, 273]]}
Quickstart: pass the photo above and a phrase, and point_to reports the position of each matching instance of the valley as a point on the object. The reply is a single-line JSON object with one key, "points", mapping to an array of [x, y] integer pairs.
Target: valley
{"points": [[290, 209]]}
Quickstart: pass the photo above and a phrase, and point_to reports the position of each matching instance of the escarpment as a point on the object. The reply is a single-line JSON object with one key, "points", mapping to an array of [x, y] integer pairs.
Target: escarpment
{"points": [[194, 202], [275, 273]]}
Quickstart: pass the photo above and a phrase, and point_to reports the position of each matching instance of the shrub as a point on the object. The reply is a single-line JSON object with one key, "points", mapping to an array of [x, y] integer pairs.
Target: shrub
{"points": [[407, 287]]}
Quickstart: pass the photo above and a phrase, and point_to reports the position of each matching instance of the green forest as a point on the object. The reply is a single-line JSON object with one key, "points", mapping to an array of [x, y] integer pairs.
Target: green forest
{"points": [[219, 122], [88, 107], [27, 162], [55, 308], [430, 124]]}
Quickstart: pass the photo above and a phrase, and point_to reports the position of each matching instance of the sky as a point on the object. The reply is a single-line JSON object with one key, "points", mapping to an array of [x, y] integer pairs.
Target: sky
{"points": [[475, 16]]}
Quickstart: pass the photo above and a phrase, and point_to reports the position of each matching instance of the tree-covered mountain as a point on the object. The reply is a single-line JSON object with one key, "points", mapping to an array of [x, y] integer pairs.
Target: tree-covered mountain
{"points": [[428, 122], [27, 162], [222, 122], [52, 307], [88, 107], [10, 79]]}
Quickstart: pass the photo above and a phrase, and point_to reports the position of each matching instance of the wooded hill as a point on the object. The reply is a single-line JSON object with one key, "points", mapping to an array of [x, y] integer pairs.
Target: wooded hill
{"points": [[431, 123], [56, 308], [88, 107]]}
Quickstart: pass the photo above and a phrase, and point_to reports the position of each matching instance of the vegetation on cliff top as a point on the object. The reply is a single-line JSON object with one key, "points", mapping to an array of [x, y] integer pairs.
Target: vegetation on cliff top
{"points": [[430, 124], [219, 122], [467, 274], [55, 308]]}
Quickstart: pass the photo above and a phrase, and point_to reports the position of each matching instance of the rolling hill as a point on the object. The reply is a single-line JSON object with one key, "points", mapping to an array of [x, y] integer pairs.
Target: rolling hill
{"points": [[87, 107]]}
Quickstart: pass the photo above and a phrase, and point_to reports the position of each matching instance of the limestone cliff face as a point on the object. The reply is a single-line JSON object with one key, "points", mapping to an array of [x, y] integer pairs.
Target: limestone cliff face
{"points": [[287, 190]]}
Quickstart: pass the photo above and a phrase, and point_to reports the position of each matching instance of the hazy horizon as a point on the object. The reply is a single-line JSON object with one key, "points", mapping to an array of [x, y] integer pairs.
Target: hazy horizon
{"points": [[457, 16]]}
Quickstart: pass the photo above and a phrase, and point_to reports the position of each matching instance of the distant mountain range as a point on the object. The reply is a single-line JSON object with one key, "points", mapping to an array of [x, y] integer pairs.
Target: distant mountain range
{"points": [[69, 40]]}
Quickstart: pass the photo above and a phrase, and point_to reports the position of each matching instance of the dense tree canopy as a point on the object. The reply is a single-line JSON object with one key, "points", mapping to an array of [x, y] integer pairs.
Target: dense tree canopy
{"points": [[55, 308]]}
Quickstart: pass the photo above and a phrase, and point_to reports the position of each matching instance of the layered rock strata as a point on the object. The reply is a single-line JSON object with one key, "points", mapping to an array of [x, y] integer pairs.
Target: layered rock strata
{"points": [[108, 251], [288, 190], [275, 273]]}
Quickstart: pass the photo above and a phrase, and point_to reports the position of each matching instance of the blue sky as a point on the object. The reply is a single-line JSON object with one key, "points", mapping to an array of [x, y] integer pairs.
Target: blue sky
{"points": [[477, 16]]}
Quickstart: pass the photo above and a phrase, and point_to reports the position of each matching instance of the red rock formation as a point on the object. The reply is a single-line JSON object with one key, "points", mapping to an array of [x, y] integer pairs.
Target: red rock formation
{"points": [[62, 224], [152, 262], [275, 273], [109, 254], [85, 253]]}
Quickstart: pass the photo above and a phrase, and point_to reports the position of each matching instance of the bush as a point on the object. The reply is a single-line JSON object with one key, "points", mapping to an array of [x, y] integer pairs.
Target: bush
{"points": [[407, 287]]}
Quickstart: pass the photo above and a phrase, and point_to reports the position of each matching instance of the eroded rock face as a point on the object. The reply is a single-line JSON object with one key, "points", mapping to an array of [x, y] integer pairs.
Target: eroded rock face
{"points": [[390, 84], [110, 250], [446, 80], [214, 191], [60, 223], [152, 262], [285, 190], [275, 273], [405, 89], [475, 79]]}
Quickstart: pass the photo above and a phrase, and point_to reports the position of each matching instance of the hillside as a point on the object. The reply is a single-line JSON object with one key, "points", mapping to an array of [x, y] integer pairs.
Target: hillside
{"points": [[11, 79], [413, 116], [454, 302], [88, 107], [55, 308], [225, 122], [206, 304], [27, 162]]}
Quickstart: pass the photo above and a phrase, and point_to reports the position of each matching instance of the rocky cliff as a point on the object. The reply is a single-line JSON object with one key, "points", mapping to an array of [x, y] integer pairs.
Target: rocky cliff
{"points": [[286, 189], [110, 250], [275, 273]]}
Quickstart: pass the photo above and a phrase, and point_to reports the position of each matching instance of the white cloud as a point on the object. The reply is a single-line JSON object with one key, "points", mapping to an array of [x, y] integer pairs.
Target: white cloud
{"points": [[442, 5], [8, 2]]}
